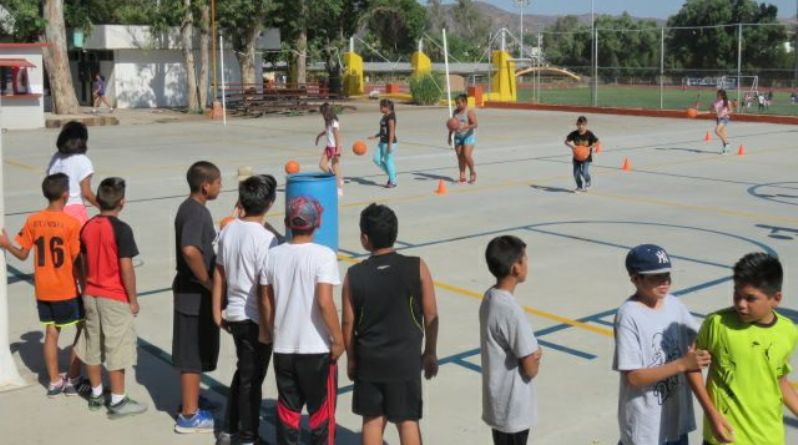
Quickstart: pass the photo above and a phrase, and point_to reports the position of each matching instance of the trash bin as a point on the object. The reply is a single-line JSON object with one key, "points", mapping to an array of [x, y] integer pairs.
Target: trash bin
{"points": [[323, 188]]}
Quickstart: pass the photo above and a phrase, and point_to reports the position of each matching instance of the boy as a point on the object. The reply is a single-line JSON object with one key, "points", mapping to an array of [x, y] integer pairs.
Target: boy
{"points": [[392, 294], [584, 137], [56, 238], [751, 345], [243, 248], [195, 337], [510, 352], [299, 279], [654, 336], [110, 300]]}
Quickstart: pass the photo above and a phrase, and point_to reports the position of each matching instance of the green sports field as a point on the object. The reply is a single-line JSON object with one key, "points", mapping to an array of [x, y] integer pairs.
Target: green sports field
{"points": [[648, 97]]}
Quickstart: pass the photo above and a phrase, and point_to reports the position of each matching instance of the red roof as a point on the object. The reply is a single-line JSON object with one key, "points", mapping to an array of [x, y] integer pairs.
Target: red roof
{"points": [[19, 63]]}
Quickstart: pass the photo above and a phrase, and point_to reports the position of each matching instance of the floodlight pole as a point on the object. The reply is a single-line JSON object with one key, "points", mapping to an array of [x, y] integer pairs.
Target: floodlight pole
{"points": [[593, 51], [213, 48], [521, 5], [224, 89], [448, 81], [739, 60], [661, 67]]}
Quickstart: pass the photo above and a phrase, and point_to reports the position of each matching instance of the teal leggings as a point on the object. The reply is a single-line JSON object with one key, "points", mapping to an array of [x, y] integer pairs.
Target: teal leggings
{"points": [[384, 160]]}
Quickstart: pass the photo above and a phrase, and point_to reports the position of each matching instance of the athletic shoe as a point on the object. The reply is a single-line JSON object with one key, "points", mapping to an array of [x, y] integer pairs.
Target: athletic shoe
{"points": [[126, 407], [578, 190], [54, 389], [83, 386], [723, 150], [200, 422], [96, 403], [390, 185], [224, 438]]}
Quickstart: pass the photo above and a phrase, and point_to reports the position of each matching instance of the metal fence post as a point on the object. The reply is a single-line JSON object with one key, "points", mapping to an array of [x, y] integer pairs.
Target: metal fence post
{"points": [[661, 66], [595, 67], [739, 60]]}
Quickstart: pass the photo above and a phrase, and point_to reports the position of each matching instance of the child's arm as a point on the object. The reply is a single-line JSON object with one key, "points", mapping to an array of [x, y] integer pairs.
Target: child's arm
{"points": [[789, 394], [569, 144], [692, 361], [530, 365], [391, 133], [472, 120], [193, 257], [324, 298], [129, 281], [218, 294], [337, 136], [266, 305], [430, 309], [348, 328], [88, 194], [721, 428], [19, 252], [318, 136]]}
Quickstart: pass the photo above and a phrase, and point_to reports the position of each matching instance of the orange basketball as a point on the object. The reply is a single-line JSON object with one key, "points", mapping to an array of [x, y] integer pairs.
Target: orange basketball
{"points": [[581, 153], [453, 124], [360, 148], [292, 167], [692, 112]]}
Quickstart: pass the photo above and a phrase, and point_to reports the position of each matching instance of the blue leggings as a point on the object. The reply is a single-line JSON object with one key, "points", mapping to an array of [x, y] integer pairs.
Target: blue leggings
{"points": [[384, 160], [582, 170]]}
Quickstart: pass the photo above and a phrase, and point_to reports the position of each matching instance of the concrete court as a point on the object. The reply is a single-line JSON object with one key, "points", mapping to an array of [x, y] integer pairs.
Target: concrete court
{"points": [[706, 209]]}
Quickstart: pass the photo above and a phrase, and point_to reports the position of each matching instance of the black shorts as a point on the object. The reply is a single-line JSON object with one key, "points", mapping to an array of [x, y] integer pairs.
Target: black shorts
{"points": [[397, 401], [61, 313], [195, 343]]}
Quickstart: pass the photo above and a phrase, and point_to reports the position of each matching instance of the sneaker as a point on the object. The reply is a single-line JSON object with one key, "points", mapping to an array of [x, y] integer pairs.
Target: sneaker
{"points": [[578, 190], [127, 407], [54, 389], [74, 389], [96, 403], [723, 150], [224, 438], [200, 422], [390, 185]]}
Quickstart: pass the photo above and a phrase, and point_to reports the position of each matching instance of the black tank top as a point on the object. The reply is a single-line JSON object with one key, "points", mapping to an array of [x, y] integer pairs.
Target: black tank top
{"points": [[389, 324]]}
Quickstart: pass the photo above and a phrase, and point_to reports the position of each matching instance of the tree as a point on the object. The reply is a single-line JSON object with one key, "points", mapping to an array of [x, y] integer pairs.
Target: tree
{"points": [[567, 43], [187, 42], [396, 25], [243, 22], [56, 59]]}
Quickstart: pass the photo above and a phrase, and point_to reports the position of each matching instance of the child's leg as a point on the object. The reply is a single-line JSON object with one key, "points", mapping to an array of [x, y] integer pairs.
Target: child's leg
{"points": [[723, 135], [461, 163], [378, 156], [336, 167], [74, 362], [324, 162], [578, 174], [519, 438], [468, 155], [290, 399], [390, 167], [374, 429], [189, 390], [95, 375], [318, 379], [50, 351], [117, 380], [409, 432], [586, 173]]}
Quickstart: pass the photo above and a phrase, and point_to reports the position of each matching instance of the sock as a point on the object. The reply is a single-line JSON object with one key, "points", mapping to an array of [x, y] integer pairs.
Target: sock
{"points": [[116, 398], [97, 391]]}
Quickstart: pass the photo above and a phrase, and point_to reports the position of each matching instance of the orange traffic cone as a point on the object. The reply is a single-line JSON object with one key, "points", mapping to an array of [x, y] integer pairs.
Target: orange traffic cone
{"points": [[708, 137], [441, 188], [741, 150], [598, 148], [627, 165]]}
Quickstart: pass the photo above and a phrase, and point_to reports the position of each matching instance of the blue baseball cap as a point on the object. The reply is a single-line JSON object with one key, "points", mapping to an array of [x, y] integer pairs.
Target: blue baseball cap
{"points": [[304, 213], [647, 259]]}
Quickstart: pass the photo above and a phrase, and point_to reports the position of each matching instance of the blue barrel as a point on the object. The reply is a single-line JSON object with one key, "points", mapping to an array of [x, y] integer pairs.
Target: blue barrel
{"points": [[323, 188]]}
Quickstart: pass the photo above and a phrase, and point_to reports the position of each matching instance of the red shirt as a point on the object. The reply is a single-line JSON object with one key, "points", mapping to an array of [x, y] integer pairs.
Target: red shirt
{"points": [[106, 240]]}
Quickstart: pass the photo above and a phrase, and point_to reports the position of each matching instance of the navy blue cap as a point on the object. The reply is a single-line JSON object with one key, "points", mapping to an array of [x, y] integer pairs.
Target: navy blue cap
{"points": [[647, 259]]}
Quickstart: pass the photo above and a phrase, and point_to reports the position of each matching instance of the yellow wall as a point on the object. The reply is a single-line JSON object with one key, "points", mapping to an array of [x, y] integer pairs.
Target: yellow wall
{"points": [[353, 75], [502, 82], [420, 63]]}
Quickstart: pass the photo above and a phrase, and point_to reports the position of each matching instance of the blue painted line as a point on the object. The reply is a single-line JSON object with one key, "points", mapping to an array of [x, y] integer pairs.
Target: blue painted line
{"points": [[15, 275], [698, 315], [789, 313], [701, 286], [404, 244], [602, 321], [351, 253], [567, 350], [469, 365], [155, 291]]}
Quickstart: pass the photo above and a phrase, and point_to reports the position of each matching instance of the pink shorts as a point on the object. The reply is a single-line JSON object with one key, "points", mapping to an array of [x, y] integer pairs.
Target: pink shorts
{"points": [[331, 152], [77, 211]]}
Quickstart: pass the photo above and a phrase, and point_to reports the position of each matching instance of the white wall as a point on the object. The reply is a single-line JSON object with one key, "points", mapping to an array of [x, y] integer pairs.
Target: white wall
{"points": [[28, 112]]}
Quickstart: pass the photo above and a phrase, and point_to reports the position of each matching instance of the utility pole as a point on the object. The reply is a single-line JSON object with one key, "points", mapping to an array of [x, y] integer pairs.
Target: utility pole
{"points": [[522, 4]]}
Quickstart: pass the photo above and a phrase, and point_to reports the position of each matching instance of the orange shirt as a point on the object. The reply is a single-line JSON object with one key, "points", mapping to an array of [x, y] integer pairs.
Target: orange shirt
{"points": [[55, 239]]}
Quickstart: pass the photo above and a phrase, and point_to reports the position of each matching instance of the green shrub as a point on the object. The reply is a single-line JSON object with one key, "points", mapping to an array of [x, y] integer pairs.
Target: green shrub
{"points": [[427, 89]]}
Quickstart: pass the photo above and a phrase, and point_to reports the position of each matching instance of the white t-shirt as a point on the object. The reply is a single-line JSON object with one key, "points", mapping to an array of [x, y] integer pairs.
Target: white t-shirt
{"points": [[78, 167], [293, 270], [242, 251], [331, 133], [649, 338]]}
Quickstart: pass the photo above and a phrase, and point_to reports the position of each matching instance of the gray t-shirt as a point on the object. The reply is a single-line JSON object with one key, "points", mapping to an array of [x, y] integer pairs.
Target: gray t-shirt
{"points": [[649, 338], [509, 402]]}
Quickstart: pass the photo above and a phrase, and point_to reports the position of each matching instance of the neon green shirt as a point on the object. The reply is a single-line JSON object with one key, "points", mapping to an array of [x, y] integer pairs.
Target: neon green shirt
{"points": [[743, 381]]}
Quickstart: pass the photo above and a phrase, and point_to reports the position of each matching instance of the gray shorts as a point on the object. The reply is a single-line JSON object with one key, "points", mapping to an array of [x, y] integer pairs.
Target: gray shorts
{"points": [[109, 335]]}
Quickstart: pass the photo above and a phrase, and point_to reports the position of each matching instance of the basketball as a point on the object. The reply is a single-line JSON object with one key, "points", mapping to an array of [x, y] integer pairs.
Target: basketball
{"points": [[453, 124], [359, 148], [581, 153], [692, 112], [292, 167]]}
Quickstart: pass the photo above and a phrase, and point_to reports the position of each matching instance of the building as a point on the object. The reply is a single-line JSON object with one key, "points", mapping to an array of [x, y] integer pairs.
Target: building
{"points": [[22, 85]]}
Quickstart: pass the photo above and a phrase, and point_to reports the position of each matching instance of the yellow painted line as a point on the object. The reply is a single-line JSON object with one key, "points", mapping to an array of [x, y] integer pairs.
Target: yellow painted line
{"points": [[528, 309], [22, 165]]}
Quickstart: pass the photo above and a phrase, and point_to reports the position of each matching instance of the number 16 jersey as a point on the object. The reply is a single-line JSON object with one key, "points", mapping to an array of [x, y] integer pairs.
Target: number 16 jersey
{"points": [[54, 237]]}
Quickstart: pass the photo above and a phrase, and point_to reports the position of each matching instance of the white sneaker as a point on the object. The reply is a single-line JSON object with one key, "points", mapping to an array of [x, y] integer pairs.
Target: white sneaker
{"points": [[340, 192]]}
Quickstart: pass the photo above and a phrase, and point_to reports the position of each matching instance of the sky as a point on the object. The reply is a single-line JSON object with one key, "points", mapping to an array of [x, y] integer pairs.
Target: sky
{"points": [[638, 8]]}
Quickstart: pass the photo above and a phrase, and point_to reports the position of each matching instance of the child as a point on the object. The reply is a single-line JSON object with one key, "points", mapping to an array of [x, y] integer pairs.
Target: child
{"points": [[654, 336], [722, 117], [392, 295], [71, 160], [387, 134], [332, 151], [110, 300], [243, 249], [510, 352], [584, 137], [465, 138], [299, 279], [195, 337], [56, 238], [751, 345], [99, 93]]}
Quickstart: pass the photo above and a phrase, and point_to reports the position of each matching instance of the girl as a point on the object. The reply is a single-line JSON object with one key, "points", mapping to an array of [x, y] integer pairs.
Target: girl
{"points": [[71, 160], [387, 134], [332, 151], [99, 94], [465, 138], [722, 116]]}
